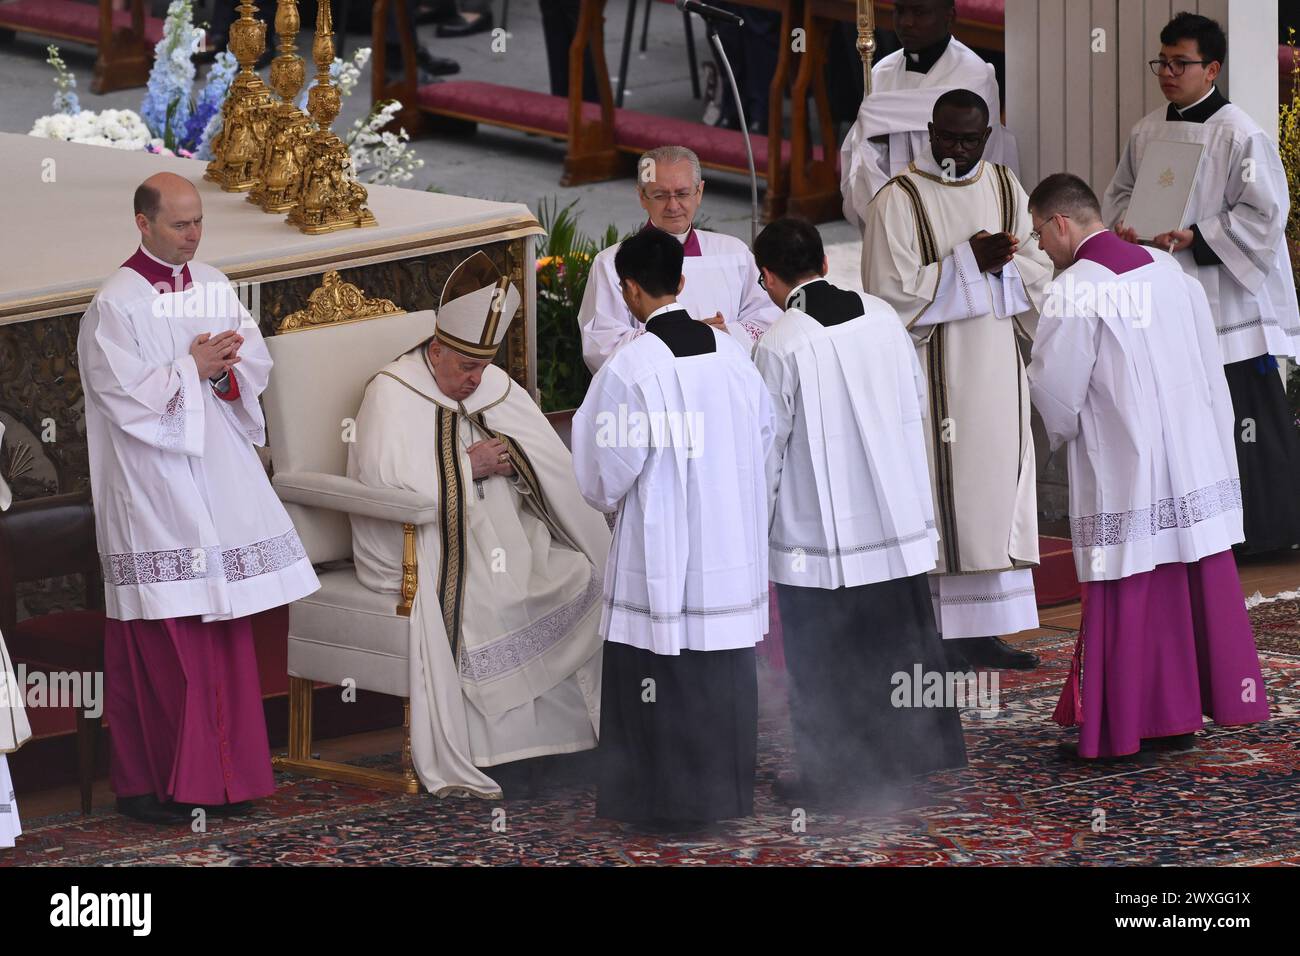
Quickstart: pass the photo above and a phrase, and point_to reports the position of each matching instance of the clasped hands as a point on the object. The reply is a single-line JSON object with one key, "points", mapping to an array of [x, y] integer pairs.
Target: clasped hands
{"points": [[992, 251], [216, 354], [490, 457]]}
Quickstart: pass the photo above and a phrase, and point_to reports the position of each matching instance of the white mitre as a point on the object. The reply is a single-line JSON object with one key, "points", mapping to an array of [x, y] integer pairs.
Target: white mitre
{"points": [[476, 307]]}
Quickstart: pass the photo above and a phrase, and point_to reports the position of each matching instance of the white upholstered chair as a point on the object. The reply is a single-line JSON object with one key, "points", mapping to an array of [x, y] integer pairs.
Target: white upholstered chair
{"points": [[345, 630]]}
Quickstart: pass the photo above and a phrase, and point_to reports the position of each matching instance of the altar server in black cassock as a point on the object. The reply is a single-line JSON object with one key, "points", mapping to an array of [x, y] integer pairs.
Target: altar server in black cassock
{"points": [[852, 533], [672, 436]]}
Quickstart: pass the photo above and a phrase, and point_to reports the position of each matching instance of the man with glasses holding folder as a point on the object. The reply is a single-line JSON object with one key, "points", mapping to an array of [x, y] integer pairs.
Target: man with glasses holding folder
{"points": [[1231, 238]]}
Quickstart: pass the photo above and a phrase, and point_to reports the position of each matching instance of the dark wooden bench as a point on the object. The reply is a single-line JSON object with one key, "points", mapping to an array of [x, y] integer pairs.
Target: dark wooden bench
{"points": [[125, 38], [600, 136]]}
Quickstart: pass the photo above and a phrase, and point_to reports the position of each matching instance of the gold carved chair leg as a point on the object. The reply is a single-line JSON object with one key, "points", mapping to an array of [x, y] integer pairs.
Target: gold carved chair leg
{"points": [[299, 759]]}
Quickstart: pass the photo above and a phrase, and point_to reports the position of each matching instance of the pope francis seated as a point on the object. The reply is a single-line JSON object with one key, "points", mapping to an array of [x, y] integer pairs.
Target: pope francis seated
{"points": [[509, 580]]}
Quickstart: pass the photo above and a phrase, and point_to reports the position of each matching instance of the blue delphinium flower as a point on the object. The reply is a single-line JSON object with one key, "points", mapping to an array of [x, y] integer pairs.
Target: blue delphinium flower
{"points": [[207, 108], [65, 84], [167, 105]]}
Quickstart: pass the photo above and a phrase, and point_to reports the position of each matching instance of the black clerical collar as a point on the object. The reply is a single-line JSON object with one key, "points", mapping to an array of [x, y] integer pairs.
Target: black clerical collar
{"points": [[1200, 112], [681, 333], [922, 60], [790, 300]]}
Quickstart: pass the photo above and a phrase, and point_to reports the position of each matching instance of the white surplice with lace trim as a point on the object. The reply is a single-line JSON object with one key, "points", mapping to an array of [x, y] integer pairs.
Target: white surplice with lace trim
{"points": [[185, 517], [1143, 403]]}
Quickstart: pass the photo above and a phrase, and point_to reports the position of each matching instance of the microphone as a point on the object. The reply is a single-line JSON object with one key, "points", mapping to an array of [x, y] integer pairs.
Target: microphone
{"points": [[709, 13]]}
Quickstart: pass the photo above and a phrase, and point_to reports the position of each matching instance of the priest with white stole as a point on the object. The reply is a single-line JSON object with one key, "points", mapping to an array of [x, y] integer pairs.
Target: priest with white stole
{"points": [[721, 280], [505, 654], [14, 728], [1232, 239], [1126, 371], [192, 538], [672, 438], [946, 244], [852, 533], [890, 130]]}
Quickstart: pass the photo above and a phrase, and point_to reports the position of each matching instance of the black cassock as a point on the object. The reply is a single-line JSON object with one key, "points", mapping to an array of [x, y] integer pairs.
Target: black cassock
{"points": [[688, 754], [843, 647]]}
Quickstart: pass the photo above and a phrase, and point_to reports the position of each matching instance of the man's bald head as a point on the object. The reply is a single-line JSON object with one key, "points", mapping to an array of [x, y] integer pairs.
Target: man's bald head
{"points": [[169, 215]]}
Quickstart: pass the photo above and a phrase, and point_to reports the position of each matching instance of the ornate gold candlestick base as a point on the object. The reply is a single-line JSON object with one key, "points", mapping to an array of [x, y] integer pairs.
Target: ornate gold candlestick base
{"points": [[290, 129], [283, 160], [240, 145], [329, 197]]}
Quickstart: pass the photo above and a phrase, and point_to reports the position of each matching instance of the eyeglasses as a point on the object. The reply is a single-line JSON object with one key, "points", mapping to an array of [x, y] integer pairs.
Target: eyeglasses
{"points": [[1175, 67], [681, 195], [969, 140], [1037, 234], [762, 282]]}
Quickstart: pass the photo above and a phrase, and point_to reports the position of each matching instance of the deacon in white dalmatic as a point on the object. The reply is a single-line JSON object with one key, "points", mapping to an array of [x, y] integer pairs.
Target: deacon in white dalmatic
{"points": [[672, 437], [890, 131], [947, 245], [721, 279], [505, 654], [14, 729], [192, 538], [1233, 241]]}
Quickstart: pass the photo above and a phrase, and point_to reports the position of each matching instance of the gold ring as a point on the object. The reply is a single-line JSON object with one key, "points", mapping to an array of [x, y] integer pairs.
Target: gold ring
{"points": [[503, 457]]}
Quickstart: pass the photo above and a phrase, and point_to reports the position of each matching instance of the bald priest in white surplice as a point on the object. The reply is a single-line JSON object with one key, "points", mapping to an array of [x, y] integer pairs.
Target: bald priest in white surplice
{"points": [[505, 655]]}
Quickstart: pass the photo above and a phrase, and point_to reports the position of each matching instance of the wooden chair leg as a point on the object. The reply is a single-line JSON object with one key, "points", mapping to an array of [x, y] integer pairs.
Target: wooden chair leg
{"points": [[299, 759], [87, 750], [124, 57], [408, 765], [300, 717]]}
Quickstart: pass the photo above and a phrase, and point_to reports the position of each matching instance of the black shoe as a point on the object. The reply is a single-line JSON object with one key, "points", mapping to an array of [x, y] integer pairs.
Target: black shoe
{"points": [[518, 780], [435, 12], [995, 653], [954, 658], [435, 65], [1070, 751], [462, 26], [791, 788], [147, 809], [1181, 743]]}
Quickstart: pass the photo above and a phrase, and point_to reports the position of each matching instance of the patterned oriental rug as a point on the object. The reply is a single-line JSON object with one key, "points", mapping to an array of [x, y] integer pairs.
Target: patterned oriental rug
{"points": [[1233, 801]]}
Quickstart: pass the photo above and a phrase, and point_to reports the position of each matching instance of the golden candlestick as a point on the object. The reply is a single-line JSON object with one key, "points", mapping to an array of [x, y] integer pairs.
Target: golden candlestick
{"points": [[330, 198], [289, 130], [866, 42], [246, 113]]}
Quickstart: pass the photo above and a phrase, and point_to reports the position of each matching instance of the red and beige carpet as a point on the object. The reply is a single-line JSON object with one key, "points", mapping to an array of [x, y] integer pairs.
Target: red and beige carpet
{"points": [[1233, 801]]}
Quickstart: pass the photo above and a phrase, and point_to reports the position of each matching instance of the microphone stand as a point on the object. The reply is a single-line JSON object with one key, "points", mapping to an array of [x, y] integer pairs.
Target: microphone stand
{"points": [[744, 126]]}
